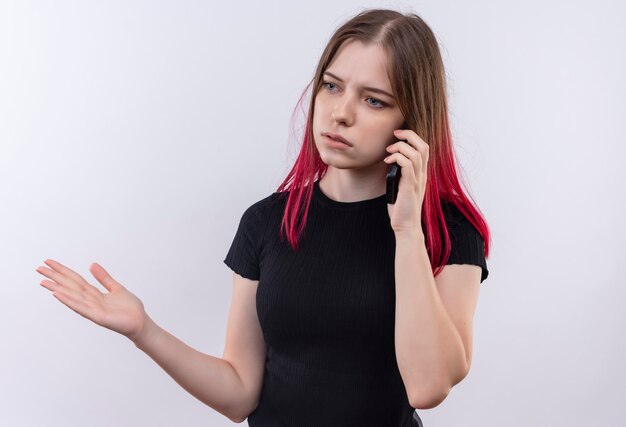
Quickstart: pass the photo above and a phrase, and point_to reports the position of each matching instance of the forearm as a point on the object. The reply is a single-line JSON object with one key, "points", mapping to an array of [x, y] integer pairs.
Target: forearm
{"points": [[429, 349], [210, 379]]}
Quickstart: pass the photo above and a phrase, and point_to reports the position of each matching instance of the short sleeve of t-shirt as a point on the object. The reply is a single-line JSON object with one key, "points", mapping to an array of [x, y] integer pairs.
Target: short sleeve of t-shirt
{"points": [[243, 255], [467, 245]]}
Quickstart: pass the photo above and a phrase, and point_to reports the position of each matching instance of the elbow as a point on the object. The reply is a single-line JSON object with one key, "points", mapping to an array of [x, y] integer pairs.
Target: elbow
{"points": [[237, 418], [240, 417], [428, 399], [235, 414]]}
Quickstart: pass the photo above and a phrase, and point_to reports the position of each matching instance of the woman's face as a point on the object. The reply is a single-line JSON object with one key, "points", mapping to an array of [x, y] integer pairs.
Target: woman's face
{"points": [[348, 104]]}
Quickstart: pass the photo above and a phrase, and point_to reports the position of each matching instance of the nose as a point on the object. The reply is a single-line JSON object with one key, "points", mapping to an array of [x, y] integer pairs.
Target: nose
{"points": [[343, 111]]}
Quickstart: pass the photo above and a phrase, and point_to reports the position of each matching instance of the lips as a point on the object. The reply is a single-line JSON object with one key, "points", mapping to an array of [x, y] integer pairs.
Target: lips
{"points": [[337, 137]]}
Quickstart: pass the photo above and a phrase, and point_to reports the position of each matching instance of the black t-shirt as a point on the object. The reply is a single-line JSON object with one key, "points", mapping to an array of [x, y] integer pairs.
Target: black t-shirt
{"points": [[327, 311]]}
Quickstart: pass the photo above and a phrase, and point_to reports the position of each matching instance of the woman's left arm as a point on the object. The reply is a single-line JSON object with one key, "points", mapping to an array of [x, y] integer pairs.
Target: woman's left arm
{"points": [[433, 322]]}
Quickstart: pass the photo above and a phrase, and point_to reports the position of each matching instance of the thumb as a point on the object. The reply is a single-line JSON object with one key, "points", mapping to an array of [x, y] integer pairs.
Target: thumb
{"points": [[103, 277]]}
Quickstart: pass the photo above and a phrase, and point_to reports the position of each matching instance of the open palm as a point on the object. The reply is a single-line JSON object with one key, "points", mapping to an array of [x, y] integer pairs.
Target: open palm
{"points": [[118, 310]]}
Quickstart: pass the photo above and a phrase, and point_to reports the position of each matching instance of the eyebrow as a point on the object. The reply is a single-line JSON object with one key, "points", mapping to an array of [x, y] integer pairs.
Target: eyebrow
{"points": [[371, 89]]}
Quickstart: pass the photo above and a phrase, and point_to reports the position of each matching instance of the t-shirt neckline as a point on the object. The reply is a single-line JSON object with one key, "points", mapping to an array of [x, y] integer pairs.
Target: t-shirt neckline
{"points": [[326, 201]]}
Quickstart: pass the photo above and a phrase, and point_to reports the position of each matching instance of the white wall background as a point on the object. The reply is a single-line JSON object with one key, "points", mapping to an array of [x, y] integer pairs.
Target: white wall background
{"points": [[135, 134]]}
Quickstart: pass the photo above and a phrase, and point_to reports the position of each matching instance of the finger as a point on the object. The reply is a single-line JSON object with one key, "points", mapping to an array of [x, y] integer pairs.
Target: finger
{"points": [[412, 138], [407, 136], [404, 148], [57, 266], [51, 286], [75, 304], [405, 164], [55, 287], [75, 295], [419, 156], [59, 278], [103, 276], [72, 279]]}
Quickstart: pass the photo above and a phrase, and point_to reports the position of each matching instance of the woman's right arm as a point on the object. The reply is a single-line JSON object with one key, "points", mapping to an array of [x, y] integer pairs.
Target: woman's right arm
{"points": [[212, 380]]}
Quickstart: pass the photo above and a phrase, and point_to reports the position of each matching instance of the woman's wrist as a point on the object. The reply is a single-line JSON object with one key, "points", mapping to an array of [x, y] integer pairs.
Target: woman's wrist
{"points": [[145, 334]]}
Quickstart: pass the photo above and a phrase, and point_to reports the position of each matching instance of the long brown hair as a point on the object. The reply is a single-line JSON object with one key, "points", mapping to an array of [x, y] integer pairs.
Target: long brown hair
{"points": [[416, 72]]}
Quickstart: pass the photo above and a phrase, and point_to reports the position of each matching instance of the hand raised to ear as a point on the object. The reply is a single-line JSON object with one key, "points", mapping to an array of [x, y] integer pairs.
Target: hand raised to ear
{"points": [[412, 155]]}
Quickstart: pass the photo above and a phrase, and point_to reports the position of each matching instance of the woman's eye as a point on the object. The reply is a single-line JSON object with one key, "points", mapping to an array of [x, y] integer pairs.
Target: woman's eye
{"points": [[378, 103]]}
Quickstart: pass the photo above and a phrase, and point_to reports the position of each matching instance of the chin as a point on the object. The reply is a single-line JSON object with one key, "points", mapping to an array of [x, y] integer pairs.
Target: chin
{"points": [[328, 158], [324, 156]]}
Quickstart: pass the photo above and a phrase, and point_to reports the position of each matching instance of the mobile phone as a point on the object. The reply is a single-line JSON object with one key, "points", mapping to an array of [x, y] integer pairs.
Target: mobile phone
{"points": [[393, 180]]}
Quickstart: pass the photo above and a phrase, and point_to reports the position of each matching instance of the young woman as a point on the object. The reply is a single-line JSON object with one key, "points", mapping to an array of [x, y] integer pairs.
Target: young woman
{"points": [[346, 310]]}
